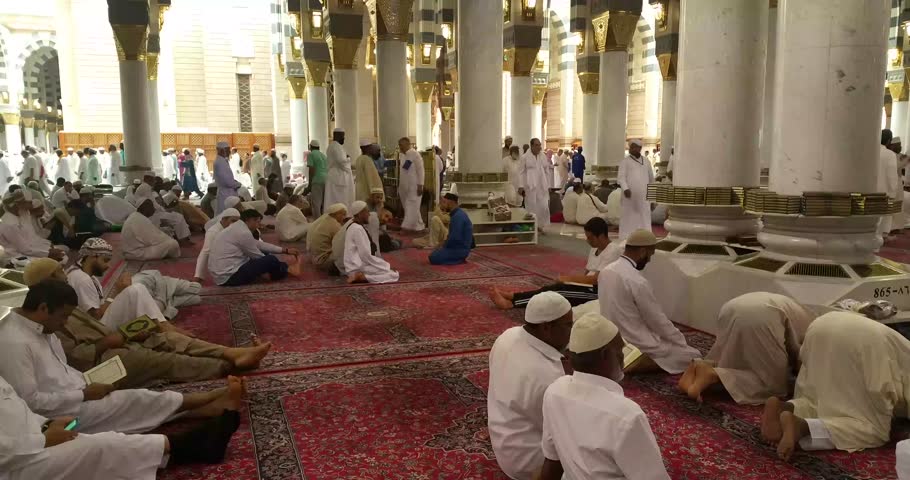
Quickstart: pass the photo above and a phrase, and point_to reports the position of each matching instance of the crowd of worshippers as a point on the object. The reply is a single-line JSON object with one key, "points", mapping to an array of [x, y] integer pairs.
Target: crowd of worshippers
{"points": [[547, 420]]}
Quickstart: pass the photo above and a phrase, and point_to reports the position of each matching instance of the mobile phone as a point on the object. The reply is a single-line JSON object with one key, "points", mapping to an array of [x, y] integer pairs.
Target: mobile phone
{"points": [[72, 425]]}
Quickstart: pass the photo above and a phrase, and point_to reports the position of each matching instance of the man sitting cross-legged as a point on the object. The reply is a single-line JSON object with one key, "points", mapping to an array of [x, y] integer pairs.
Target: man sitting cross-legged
{"points": [[33, 362], [577, 289], [460, 236], [854, 379], [757, 347], [143, 239], [155, 356], [237, 258], [359, 255]]}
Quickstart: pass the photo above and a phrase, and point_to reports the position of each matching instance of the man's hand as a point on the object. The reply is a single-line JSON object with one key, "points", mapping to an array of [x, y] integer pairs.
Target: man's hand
{"points": [[627, 193], [292, 251], [96, 391], [113, 340], [124, 281], [56, 254], [55, 433]]}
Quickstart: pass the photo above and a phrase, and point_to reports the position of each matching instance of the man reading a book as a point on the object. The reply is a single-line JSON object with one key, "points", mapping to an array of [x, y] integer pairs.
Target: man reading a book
{"points": [[148, 356]]}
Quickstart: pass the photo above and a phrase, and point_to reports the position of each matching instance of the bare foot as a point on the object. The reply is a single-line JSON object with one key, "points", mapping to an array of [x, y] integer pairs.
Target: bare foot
{"points": [[358, 277], [685, 381], [294, 268], [770, 420], [793, 428], [500, 301], [249, 357], [507, 295], [705, 376], [231, 399]]}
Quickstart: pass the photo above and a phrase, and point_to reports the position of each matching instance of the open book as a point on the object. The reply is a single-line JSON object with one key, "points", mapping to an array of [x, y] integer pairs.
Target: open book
{"points": [[107, 372], [630, 355], [137, 326]]}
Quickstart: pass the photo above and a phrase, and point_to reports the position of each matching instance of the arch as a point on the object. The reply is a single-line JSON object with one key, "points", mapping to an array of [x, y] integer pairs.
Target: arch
{"points": [[40, 48], [5, 59], [561, 58]]}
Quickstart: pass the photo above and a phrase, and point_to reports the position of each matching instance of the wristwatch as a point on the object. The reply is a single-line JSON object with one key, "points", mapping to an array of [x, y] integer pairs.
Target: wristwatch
{"points": [[45, 425]]}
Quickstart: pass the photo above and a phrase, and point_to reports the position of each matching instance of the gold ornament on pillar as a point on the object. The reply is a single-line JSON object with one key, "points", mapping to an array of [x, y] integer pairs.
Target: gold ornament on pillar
{"points": [[590, 82], [613, 30], [315, 72], [538, 93], [446, 113], [343, 52], [298, 87], [667, 63], [28, 122], [10, 118], [393, 18], [423, 91], [523, 60], [772, 3], [131, 42], [40, 124], [151, 62], [162, 9], [899, 90]]}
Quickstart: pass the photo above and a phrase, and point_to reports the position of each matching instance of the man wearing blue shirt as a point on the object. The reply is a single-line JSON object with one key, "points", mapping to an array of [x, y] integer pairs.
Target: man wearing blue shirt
{"points": [[461, 234], [578, 165]]}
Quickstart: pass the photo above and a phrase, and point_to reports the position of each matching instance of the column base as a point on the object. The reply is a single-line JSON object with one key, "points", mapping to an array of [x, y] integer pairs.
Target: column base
{"points": [[827, 240], [711, 225]]}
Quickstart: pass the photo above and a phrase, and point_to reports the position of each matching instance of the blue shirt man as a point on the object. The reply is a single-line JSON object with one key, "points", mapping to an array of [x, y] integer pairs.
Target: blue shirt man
{"points": [[578, 165], [461, 234]]}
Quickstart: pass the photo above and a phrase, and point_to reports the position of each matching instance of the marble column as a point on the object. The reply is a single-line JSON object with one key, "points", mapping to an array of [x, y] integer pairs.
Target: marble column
{"points": [[667, 51], [154, 122], [717, 140], [830, 69], [423, 94], [344, 26], [767, 125], [667, 118], [41, 133], [300, 135], [28, 129], [156, 23], [12, 132], [317, 103], [392, 25], [537, 95], [479, 96], [347, 112], [131, 43], [521, 109], [590, 86], [613, 32]]}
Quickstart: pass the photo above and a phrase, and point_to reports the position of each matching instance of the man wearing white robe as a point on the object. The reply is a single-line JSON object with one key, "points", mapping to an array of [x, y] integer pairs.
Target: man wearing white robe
{"points": [[339, 185], [237, 258], [93, 170], [142, 238], [626, 298], [115, 178], [6, 176], [65, 195], [411, 176], [17, 234], [256, 167], [887, 179], [224, 176], [161, 216], [219, 223], [291, 223], [32, 360], [31, 169], [360, 262], [635, 173], [524, 361], [203, 174], [535, 177]]}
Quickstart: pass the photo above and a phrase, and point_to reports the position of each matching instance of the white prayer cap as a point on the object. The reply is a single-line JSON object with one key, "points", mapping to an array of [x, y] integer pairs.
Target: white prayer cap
{"points": [[314, 143], [358, 207], [641, 238], [546, 307], [169, 197], [199, 151], [335, 208], [221, 145], [365, 143], [230, 213], [136, 181], [895, 140], [162, 192], [338, 130], [69, 149], [635, 141], [508, 137], [576, 180], [231, 202], [591, 332], [176, 188], [170, 150]]}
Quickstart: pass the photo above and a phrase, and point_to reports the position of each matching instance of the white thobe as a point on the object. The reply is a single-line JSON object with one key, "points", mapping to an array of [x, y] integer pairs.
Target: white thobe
{"points": [[236, 246], [31, 169], [570, 207], [104, 159], [291, 224], [409, 182], [627, 299], [285, 170], [512, 167], [902, 453], [235, 163], [634, 175], [535, 177], [562, 171], [588, 207], [83, 167], [339, 184], [60, 198], [521, 368], [116, 178], [6, 176], [65, 168], [202, 262], [358, 259], [131, 303], [594, 431], [257, 167], [203, 176], [23, 455], [34, 363], [143, 240], [18, 237]]}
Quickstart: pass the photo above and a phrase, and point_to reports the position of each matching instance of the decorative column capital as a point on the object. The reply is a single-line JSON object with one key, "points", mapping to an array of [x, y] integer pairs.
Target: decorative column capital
{"points": [[28, 122], [897, 84], [343, 51], [521, 60], [151, 62], [590, 82], [40, 124], [668, 64], [538, 92], [447, 113], [393, 19], [423, 91], [297, 87], [315, 72], [10, 118], [131, 41], [613, 30]]}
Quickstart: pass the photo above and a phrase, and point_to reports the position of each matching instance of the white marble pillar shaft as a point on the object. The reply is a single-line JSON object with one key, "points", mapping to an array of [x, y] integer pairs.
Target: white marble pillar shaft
{"points": [[521, 110], [611, 112], [507, 104], [41, 138], [899, 112], [456, 129], [479, 110], [424, 126], [347, 114], [445, 137], [828, 88], [155, 128], [537, 122], [667, 119], [134, 100], [905, 133], [767, 126], [318, 115], [393, 85], [29, 136], [567, 92], [13, 135], [300, 135], [589, 105]]}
